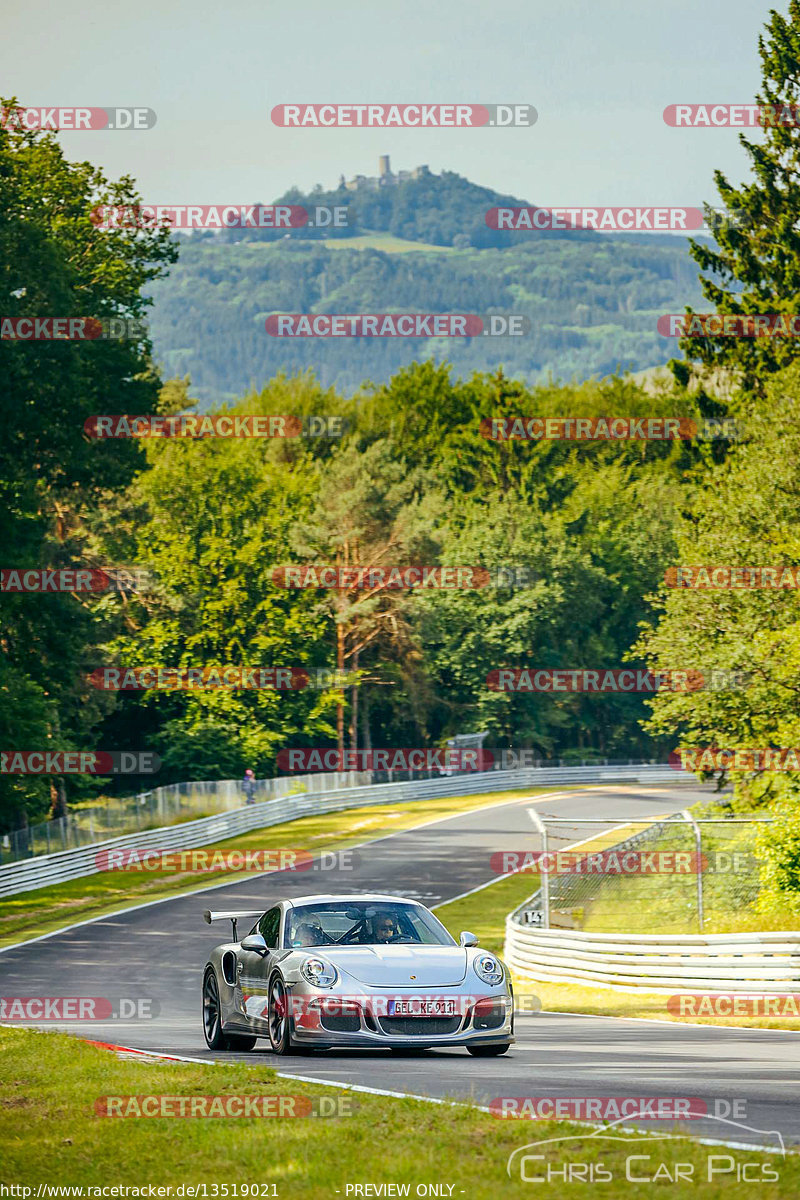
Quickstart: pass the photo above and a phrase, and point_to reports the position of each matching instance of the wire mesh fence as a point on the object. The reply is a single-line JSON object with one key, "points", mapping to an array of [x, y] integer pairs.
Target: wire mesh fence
{"points": [[681, 874]]}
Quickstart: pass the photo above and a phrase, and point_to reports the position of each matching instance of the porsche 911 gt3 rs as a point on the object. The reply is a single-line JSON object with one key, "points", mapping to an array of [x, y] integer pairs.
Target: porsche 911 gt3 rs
{"points": [[361, 971]]}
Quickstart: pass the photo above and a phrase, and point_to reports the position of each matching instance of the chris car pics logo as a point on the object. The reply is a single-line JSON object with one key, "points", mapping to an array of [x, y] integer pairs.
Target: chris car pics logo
{"points": [[648, 1158]]}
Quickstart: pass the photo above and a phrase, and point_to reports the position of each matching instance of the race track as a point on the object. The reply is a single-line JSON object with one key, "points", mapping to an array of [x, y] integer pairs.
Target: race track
{"points": [[159, 950]]}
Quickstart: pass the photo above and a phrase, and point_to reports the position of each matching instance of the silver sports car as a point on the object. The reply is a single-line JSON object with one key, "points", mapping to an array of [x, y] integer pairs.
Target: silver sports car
{"points": [[366, 971]]}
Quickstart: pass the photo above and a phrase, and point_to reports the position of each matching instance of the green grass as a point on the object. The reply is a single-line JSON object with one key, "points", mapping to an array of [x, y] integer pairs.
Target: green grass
{"points": [[51, 1134], [386, 242], [29, 914]]}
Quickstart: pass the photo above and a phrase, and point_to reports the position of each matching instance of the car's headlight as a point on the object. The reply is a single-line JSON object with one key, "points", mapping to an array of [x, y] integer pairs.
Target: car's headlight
{"points": [[319, 973], [488, 968]]}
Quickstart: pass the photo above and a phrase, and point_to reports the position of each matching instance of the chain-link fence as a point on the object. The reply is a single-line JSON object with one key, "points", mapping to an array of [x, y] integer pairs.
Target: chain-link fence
{"points": [[681, 874]]}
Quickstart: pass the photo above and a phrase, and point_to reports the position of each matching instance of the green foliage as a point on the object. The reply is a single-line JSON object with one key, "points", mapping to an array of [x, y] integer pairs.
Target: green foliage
{"points": [[755, 267], [432, 208], [778, 849], [593, 303], [412, 482], [742, 513], [54, 262]]}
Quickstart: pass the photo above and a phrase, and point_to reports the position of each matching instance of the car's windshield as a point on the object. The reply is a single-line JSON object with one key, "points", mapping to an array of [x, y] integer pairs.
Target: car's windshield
{"points": [[362, 923]]}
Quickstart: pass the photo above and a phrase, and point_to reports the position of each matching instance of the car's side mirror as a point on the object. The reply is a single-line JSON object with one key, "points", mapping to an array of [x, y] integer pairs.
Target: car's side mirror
{"points": [[256, 943], [467, 939]]}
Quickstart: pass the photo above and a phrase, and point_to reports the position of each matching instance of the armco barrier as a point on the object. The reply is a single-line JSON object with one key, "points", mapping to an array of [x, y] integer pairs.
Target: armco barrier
{"points": [[72, 864], [725, 962]]}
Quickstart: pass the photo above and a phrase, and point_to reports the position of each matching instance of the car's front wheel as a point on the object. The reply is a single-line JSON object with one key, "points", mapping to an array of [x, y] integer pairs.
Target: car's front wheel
{"points": [[489, 1051], [212, 1020], [278, 1016]]}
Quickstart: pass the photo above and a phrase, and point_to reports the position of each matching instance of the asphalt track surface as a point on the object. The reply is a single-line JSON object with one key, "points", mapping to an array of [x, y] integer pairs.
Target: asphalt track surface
{"points": [[158, 951]]}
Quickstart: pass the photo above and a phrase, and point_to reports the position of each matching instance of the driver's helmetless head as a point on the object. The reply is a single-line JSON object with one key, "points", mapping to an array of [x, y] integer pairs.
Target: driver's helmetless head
{"points": [[309, 934], [385, 928]]}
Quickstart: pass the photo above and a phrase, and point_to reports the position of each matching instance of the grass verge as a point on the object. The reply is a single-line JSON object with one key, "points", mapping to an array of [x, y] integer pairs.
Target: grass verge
{"points": [[52, 1135]]}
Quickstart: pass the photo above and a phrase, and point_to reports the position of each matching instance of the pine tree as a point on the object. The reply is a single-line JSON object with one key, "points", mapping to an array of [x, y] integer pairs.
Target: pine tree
{"points": [[755, 265]]}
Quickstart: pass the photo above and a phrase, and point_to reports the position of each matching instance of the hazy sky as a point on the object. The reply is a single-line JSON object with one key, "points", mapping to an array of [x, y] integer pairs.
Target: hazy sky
{"points": [[599, 72]]}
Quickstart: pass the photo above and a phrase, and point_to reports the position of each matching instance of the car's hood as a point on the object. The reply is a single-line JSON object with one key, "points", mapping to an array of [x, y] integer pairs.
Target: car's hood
{"points": [[401, 966]]}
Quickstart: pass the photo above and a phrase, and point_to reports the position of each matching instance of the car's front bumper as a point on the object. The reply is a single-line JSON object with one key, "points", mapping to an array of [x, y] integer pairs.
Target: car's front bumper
{"points": [[326, 1021]]}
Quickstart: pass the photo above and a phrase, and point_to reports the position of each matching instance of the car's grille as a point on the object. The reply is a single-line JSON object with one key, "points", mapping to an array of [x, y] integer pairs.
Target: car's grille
{"points": [[340, 1022], [421, 1026], [489, 1018]]}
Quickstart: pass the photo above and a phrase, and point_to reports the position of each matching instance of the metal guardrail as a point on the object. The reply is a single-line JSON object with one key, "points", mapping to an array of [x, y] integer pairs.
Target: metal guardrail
{"points": [[661, 963], [727, 962], [170, 803], [73, 864]]}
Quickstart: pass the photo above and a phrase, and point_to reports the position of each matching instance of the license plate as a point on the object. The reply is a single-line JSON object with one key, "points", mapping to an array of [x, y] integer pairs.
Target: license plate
{"points": [[422, 1008]]}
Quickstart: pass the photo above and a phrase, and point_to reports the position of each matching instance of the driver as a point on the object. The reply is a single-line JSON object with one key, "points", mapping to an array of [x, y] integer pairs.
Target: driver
{"points": [[384, 928], [309, 933]]}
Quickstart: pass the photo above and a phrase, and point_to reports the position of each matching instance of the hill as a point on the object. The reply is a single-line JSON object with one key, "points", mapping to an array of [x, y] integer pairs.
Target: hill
{"points": [[592, 299]]}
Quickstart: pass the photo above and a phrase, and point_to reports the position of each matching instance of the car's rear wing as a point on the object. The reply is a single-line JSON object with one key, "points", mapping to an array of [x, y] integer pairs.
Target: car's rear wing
{"points": [[240, 915]]}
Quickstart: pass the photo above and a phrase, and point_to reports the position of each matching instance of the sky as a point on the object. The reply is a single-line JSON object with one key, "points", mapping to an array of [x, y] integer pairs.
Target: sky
{"points": [[599, 73]]}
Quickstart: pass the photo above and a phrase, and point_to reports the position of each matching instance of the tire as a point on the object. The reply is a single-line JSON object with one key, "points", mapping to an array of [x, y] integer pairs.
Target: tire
{"points": [[212, 1020], [278, 1016], [489, 1051]]}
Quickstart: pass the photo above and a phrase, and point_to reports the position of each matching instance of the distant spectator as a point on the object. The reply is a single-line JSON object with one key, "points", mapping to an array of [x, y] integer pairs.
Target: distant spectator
{"points": [[249, 786]]}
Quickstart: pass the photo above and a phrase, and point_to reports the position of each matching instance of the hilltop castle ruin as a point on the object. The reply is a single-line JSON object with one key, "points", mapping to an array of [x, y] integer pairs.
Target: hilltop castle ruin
{"points": [[385, 177]]}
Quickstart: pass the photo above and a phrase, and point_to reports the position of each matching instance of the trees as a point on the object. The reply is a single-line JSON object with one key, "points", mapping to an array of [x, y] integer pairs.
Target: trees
{"points": [[373, 510], [755, 267], [212, 518], [743, 513], [54, 262]]}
